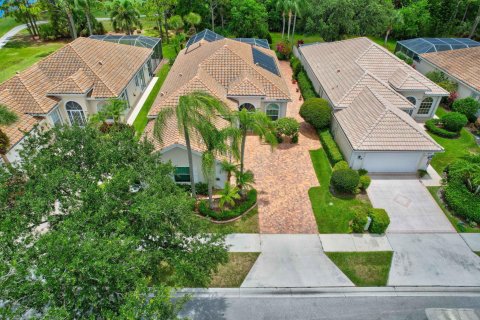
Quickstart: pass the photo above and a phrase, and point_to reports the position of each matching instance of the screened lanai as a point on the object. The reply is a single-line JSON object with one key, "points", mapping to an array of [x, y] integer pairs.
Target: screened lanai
{"points": [[414, 47], [137, 41]]}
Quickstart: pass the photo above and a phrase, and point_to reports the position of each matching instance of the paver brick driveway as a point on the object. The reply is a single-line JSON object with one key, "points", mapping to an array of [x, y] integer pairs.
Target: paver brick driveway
{"points": [[284, 175]]}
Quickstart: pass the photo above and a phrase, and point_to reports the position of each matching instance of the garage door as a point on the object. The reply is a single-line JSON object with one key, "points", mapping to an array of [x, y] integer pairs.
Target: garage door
{"points": [[392, 162]]}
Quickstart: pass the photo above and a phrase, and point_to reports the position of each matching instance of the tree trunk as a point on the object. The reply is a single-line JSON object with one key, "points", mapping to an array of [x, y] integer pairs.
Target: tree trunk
{"points": [[5, 159], [475, 24], [242, 151], [71, 23], [190, 162], [221, 18], [387, 34], [283, 24], [466, 11], [210, 192], [212, 17], [289, 23], [166, 26], [293, 30], [89, 18]]}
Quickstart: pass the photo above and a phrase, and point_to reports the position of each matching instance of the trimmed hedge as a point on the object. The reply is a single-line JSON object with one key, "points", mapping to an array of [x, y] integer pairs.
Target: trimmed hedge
{"points": [[463, 202], [345, 180], [249, 201], [468, 107], [317, 112], [330, 147], [380, 221], [296, 66], [431, 126], [341, 165], [454, 121], [359, 221], [306, 86], [365, 182]]}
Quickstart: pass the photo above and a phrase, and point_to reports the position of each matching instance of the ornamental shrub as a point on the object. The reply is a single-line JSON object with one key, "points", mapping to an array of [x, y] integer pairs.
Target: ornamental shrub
{"points": [[359, 221], [287, 127], [467, 106], [238, 210], [365, 182], [341, 165], [317, 112], [461, 201], [330, 146], [454, 121], [201, 188], [296, 66], [305, 86], [431, 126], [362, 172], [284, 50], [345, 180], [380, 220]]}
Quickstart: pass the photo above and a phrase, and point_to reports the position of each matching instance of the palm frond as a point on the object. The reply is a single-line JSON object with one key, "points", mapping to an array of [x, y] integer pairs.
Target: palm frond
{"points": [[160, 122]]}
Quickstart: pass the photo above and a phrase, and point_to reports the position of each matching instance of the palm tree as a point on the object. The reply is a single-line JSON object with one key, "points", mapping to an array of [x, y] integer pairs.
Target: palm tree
{"points": [[86, 5], [475, 24], [228, 195], [245, 181], [283, 6], [176, 22], [125, 16], [395, 19], [192, 19], [296, 5], [229, 168], [7, 118], [193, 111], [113, 110], [69, 6], [258, 123]]}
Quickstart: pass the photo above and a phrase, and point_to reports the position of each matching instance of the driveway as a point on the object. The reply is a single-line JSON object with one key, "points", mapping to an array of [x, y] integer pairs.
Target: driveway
{"points": [[291, 261], [409, 205], [284, 175], [432, 260]]}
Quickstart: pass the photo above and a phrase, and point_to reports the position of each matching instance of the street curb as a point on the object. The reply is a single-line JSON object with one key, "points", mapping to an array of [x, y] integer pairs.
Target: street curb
{"points": [[330, 292]]}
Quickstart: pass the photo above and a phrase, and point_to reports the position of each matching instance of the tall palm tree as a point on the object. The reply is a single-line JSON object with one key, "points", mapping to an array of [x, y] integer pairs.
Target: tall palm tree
{"points": [[87, 5], [7, 118], [68, 7], [217, 142], [193, 111], [193, 19], [258, 123], [283, 6], [296, 7], [125, 16]]}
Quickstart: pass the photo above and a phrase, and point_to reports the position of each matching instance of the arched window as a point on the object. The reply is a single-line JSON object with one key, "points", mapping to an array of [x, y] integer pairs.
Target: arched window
{"points": [[250, 107], [272, 111], [412, 100], [425, 106], [75, 114]]}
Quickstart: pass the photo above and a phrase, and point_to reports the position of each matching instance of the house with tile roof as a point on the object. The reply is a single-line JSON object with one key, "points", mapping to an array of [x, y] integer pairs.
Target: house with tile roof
{"points": [[72, 83], [461, 66], [378, 102], [243, 73]]}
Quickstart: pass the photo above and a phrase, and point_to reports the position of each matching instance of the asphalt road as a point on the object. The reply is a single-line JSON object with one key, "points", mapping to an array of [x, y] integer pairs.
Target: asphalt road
{"points": [[350, 308]]}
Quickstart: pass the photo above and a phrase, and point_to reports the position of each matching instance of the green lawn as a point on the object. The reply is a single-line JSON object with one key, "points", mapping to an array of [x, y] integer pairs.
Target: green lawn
{"points": [[232, 274], [454, 148], [20, 53], [247, 224], [277, 37], [457, 223], [365, 269], [333, 213], [141, 121], [6, 24], [381, 41]]}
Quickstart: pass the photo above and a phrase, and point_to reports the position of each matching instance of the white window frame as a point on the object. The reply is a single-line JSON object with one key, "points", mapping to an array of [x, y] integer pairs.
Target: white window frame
{"points": [[59, 120], [76, 114], [273, 107], [428, 101]]}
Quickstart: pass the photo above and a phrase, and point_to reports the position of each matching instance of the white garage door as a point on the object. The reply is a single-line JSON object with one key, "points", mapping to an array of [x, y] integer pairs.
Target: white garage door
{"points": [[392, 161]]}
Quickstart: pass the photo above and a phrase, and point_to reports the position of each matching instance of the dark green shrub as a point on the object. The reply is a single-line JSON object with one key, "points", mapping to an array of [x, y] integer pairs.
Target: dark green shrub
{"points": [[404, 57], [247, 203], [306, 86], [345, 180], [442, 80], [462, 201], [364, 182], [454, 121], [47, 32], [431, 126], [268, 37], [330, 147], [317, 112], [467, 106], [296, 66], [201, 188], [362, 172], [359, 222], [341, 165], [380, 221], [287, 127]]}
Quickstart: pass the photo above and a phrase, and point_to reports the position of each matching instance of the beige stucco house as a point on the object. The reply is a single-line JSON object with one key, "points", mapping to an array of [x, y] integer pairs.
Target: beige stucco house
{"points": [[243, 73], [377, 100], [73, 83]]}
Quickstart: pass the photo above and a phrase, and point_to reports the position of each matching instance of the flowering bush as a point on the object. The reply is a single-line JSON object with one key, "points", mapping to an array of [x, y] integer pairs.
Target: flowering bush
{"points": [[284, 50]]}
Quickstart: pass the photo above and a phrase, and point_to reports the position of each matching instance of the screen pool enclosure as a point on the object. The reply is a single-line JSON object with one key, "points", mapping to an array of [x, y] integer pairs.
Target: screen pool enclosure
{"points": [[415, 47]]}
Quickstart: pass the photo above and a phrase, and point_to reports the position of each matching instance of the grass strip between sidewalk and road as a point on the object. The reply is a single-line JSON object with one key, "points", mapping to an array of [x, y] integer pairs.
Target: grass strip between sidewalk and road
{"points": [[141, 121], [332, 213], [364, 269], [232, 274]]}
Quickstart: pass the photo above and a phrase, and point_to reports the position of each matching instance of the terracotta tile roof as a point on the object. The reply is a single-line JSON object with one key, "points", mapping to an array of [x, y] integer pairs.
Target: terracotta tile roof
{"points": [[219, 66], [372, 124], [463, 64], [341, 65], [84, 64]]}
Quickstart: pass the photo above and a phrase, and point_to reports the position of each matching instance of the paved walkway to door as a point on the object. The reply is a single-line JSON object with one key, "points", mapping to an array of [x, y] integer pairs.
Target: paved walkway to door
{"points": [[284, 175]]}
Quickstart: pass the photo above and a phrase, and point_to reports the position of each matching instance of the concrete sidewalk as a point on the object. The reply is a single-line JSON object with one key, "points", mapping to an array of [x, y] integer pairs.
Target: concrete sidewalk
{"points": [[133, 115], [354, 242]]}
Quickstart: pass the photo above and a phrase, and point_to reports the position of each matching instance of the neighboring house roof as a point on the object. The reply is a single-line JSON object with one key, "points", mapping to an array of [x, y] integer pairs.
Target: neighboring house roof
{"points": [[370, 123], [84, 65], [462, 64], [341, 66]]}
